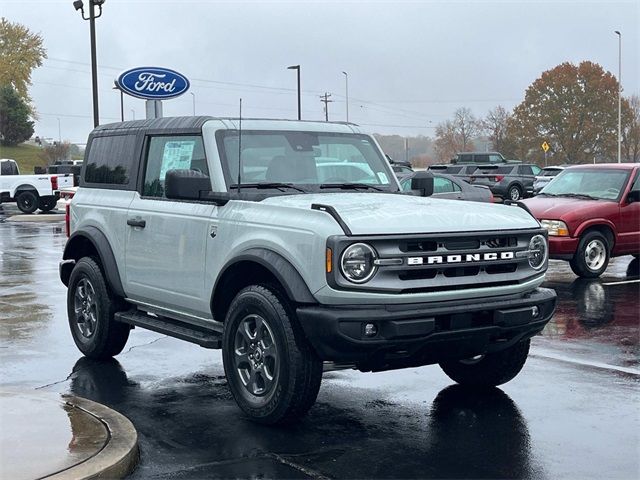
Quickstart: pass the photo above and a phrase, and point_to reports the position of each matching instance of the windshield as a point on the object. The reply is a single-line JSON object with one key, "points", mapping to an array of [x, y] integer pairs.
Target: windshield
{"points": [[312, 160], [600, 184]]}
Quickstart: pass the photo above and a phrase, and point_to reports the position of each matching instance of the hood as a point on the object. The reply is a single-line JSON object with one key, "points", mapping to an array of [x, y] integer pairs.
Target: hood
{"points": [[382, 213], [554, 208]]}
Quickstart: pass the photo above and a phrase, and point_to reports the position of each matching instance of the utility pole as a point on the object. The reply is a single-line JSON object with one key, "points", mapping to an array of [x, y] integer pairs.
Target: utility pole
{"points": [[325, 99], [406, 149]]}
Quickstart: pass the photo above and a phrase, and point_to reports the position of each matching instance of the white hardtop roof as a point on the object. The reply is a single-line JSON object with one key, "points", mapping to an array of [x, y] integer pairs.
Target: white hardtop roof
{"points": [[290, 125]]}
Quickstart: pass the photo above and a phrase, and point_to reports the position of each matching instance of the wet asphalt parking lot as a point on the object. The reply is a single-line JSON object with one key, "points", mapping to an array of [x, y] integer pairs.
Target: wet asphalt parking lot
{"points": [[573, 412]]}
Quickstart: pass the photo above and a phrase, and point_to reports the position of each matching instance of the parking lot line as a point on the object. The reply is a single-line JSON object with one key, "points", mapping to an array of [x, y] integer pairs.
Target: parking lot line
{"points": [[622, 282], [575, 361]]}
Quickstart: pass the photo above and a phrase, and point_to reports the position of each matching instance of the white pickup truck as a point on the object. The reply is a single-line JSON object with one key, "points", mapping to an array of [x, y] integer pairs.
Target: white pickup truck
{"points": [[30, 192]]}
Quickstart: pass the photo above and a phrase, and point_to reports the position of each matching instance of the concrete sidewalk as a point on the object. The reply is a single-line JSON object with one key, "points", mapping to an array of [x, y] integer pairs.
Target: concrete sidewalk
{"points": [[53, 436]]}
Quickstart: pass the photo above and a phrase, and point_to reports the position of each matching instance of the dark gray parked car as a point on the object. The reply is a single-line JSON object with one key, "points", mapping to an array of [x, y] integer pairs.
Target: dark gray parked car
{"points": [[513, 182], [448, 186], [463, 172]]}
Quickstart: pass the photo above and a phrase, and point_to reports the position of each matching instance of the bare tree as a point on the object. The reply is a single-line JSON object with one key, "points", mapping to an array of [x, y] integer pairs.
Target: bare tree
{"points": [[447, 142], [467, 127], [495, 126], [53, 153]]}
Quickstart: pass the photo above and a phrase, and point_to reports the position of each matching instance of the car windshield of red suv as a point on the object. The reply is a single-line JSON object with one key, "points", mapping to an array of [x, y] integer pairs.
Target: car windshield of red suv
{"points": [[597, 184]]}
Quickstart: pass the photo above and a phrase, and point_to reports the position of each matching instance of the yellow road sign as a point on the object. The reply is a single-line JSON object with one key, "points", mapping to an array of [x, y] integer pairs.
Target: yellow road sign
{"points": [[545, 147]]}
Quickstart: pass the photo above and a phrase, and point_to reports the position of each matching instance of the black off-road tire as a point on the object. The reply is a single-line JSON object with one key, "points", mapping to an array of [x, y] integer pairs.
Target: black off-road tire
{"points": [[492, 369], [27, 201], [107, 337], [579, 263], [296, 380], [514, 193], [46, 204]]}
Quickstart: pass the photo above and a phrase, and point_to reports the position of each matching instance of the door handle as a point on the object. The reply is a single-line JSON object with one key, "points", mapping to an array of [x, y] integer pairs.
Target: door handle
{"points": [[136, 222]]}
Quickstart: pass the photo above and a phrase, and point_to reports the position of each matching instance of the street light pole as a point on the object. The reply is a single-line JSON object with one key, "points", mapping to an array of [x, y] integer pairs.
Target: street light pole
{"points": [[79, 5], [619, 95], [346, 89], [194, 103], [297, 67]]}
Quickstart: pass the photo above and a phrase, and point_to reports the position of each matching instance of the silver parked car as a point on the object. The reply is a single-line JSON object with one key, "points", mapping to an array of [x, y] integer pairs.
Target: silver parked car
{"points": [[545, 176]]}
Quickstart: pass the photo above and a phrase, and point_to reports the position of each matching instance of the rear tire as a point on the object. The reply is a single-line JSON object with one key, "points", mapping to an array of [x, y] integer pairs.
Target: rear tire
{"points": [[592, 257], [47, 204], [490, 370], [272, 372], [27, 201], [91, 306], [514, 193]]}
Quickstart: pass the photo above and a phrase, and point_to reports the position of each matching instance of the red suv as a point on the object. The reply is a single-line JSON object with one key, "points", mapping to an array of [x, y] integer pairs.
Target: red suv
{"points": [[592, 213]]}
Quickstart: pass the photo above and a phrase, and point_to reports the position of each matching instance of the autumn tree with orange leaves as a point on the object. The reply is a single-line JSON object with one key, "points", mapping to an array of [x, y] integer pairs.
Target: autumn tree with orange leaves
{"points": [[572, 107]]}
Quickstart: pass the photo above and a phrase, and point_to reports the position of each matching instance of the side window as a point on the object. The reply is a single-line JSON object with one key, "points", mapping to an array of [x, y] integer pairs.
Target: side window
{"points": [[636, 184], [5, 168], [482, 159], [442, 185], [525, 170], [456, 188], [536, 169], [495, 159], [166, 153], [110, 159]]}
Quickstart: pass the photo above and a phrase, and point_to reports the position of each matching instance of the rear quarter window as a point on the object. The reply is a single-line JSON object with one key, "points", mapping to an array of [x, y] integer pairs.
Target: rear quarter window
{"points": [[110, 160]]}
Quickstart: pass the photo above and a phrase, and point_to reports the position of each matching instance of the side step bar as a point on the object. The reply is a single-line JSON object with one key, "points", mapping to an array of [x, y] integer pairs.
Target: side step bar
{"points": [[207, 338]]}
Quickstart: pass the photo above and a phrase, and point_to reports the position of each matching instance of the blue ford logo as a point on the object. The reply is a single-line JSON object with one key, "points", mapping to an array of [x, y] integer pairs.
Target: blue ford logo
{"points": [[152, 83]]}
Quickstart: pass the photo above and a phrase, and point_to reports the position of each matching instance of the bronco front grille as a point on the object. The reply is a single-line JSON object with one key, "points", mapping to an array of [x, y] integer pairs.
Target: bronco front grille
{"points": [[441, 262]]}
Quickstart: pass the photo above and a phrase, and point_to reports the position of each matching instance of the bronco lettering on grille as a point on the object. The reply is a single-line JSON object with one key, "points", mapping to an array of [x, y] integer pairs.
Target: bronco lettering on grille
{"points": [[467, 258]]}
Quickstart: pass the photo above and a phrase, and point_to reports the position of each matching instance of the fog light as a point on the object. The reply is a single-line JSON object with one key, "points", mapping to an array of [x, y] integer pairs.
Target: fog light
{"points": [[370, 330], [535, 311]]}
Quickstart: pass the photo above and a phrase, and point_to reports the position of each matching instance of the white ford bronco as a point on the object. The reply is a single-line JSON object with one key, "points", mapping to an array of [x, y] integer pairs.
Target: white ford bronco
{"points": [[289, 245]]}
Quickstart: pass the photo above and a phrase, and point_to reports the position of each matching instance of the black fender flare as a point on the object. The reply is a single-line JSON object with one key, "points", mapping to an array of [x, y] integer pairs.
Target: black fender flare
{"points": [[294, 285], [101, 245]]}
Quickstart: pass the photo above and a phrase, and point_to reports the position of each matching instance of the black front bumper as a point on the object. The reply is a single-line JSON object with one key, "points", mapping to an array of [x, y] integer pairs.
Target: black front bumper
{"points": [[421, 334]]}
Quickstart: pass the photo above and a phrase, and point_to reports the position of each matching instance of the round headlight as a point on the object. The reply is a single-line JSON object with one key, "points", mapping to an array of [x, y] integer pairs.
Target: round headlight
{"points": [[538, 251], [357, 264]]}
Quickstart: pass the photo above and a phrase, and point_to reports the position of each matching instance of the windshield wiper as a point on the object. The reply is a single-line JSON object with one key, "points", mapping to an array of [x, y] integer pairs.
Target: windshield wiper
{"points": [[266, 185], [577, 195], [351, 186]]}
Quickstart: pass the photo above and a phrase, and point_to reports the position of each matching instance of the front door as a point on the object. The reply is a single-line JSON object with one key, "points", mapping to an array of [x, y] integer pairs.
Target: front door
{"points": [[629, 227], [166, 239]]}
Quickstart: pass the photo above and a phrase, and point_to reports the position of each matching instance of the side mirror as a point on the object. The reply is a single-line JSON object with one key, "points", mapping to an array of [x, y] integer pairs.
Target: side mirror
{"points": [[423, 182], [186, 185], [633, 196]]}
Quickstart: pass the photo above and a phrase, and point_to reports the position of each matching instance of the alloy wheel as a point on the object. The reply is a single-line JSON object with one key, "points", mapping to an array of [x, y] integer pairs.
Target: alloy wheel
{"points": [[255, 355]]}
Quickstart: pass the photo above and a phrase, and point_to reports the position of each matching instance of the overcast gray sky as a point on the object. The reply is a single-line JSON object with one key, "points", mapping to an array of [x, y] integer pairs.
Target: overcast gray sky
{"points": [[410, 64]]}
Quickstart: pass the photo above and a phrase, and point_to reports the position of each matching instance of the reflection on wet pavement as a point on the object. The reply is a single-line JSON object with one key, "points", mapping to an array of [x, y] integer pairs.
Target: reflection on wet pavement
{"points": [[598, 317], [60, 435]]}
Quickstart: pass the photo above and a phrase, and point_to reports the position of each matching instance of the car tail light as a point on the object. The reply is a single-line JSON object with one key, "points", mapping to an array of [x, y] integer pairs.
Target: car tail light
{"points": [[67, 219], [54, 183], [499, 178]]}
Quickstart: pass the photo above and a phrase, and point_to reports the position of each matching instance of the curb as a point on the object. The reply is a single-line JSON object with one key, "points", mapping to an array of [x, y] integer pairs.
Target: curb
{"points": [[117, 458]]}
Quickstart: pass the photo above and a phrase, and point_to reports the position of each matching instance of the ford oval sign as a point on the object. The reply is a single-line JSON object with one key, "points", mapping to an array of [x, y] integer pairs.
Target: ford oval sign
{"points": [[152, 83]]}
